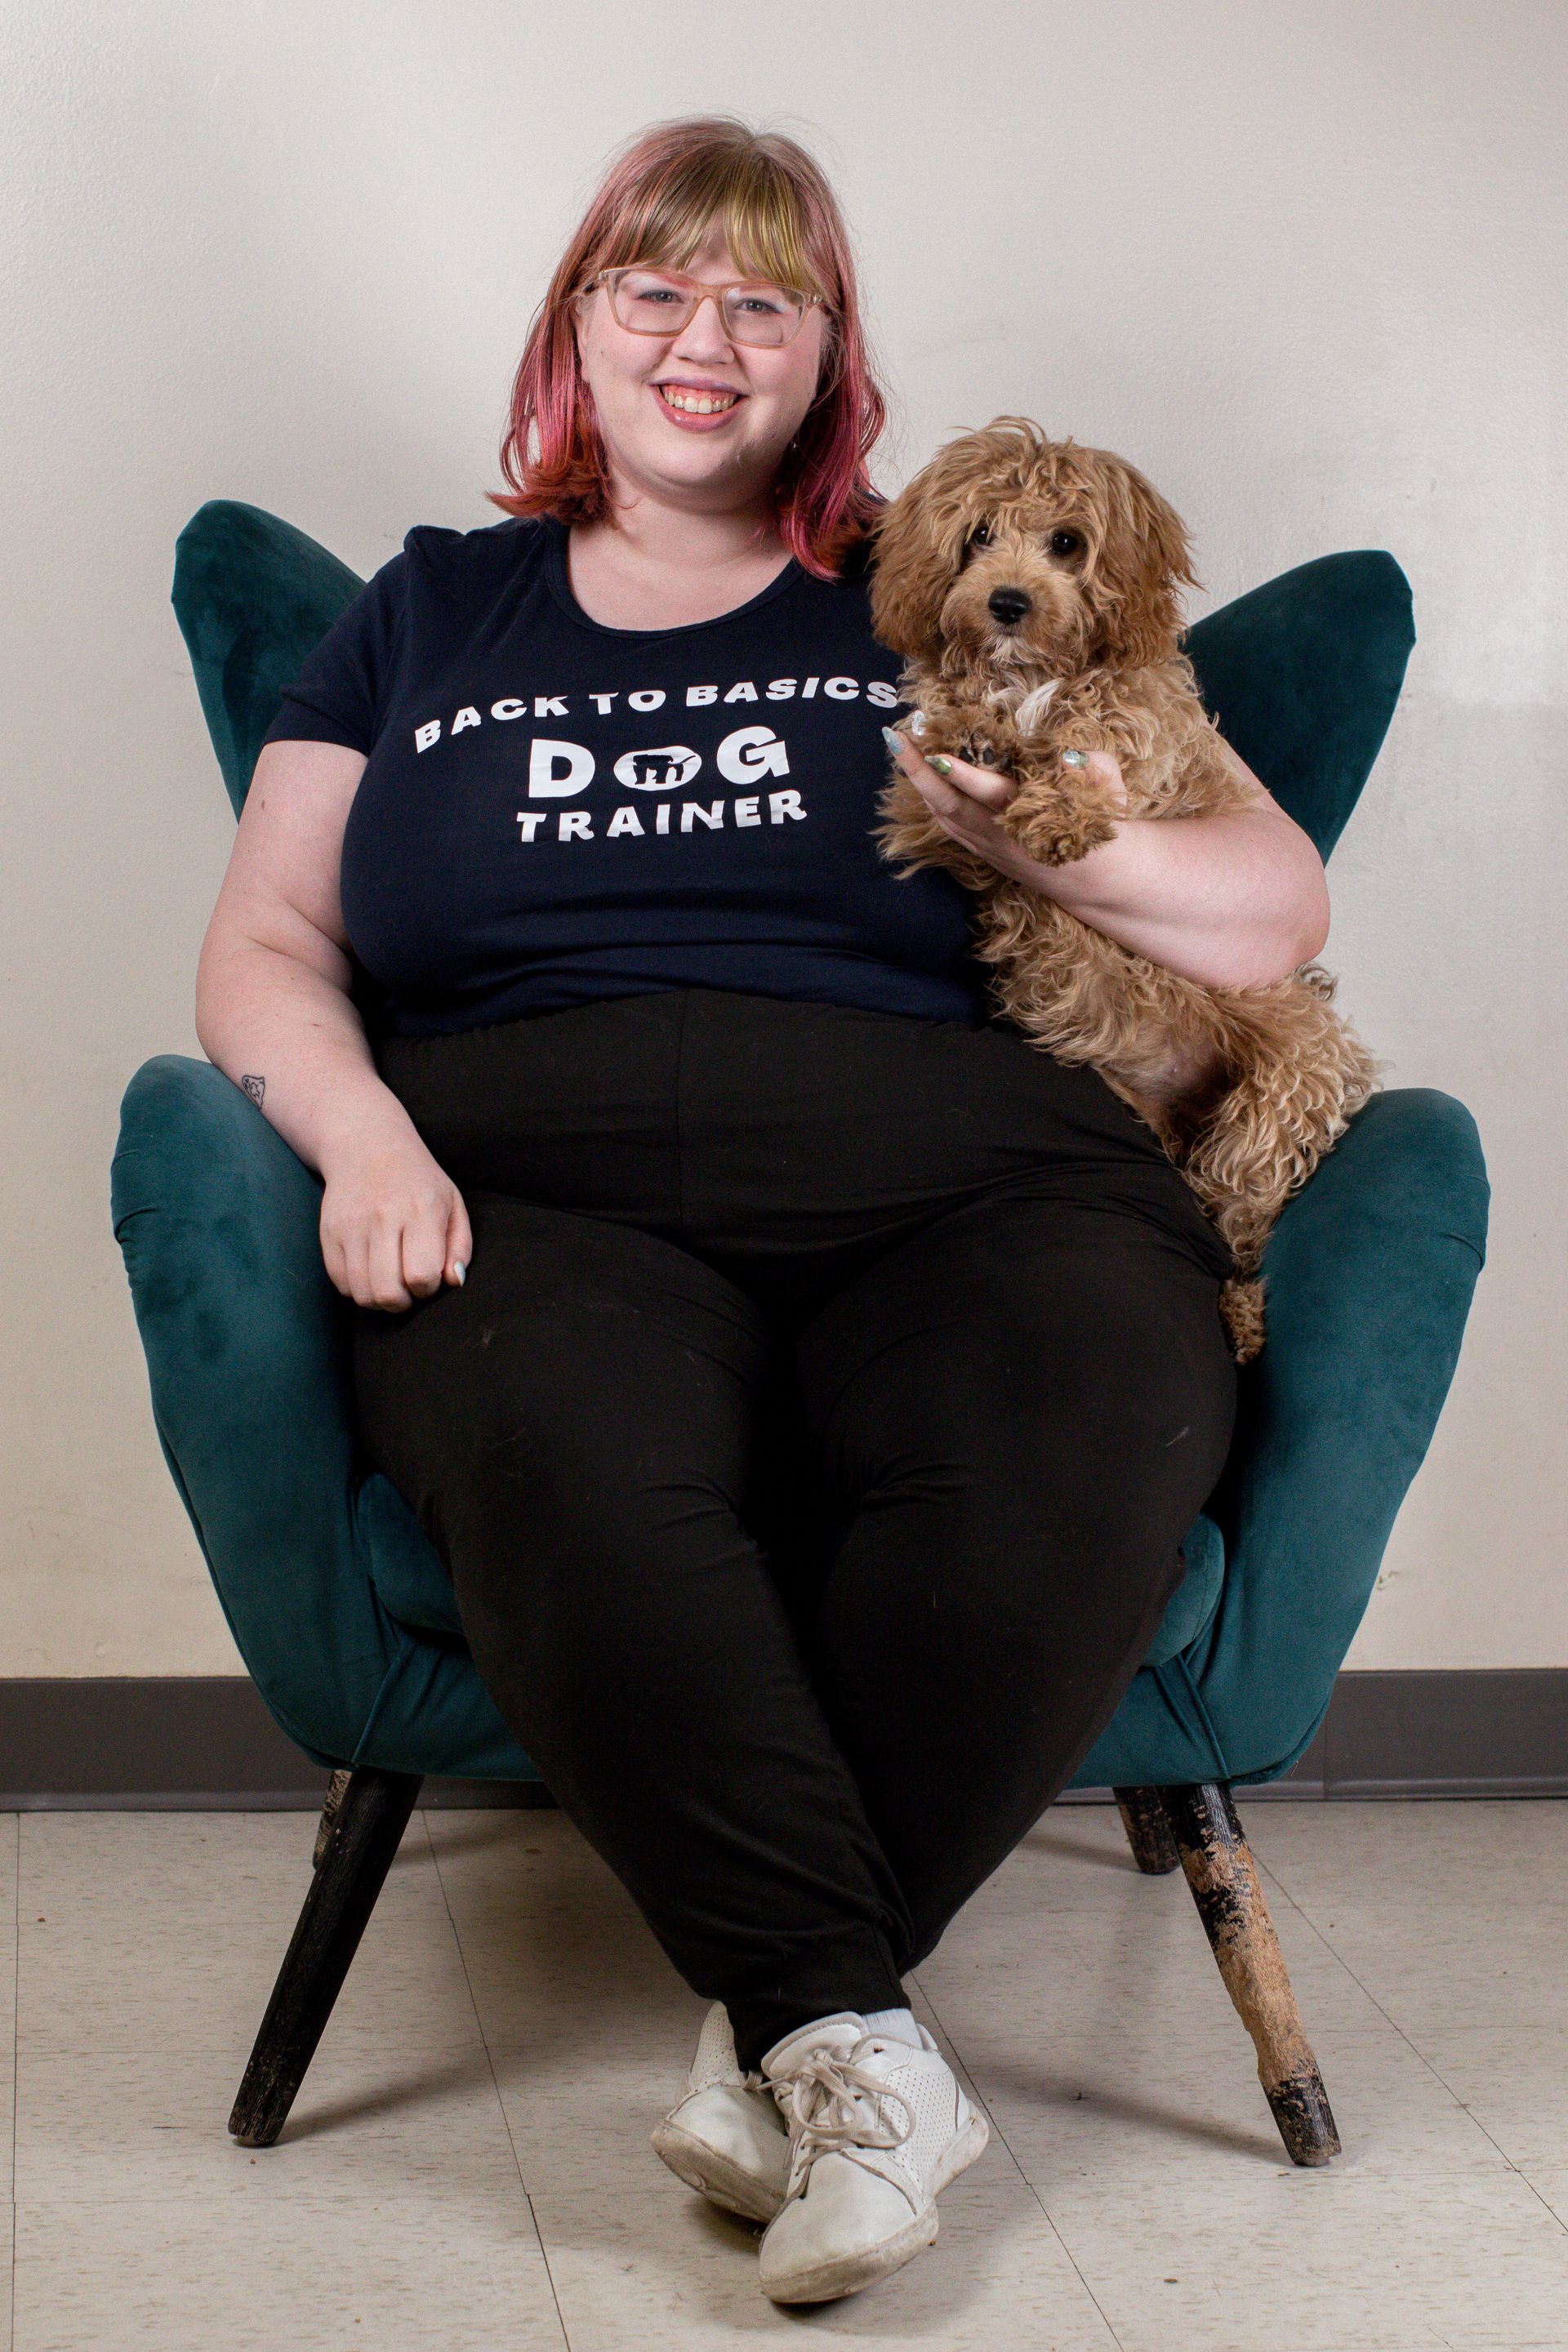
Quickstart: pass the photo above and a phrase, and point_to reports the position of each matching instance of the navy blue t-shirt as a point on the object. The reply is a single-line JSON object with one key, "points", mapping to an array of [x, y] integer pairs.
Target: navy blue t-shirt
{"points": [[554, 811]]}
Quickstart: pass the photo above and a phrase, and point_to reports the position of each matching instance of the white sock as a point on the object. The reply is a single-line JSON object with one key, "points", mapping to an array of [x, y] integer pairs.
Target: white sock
{"points": [[894, 2025]]}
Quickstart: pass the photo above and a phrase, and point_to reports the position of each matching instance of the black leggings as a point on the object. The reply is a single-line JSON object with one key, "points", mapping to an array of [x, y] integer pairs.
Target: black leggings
{"points": [[810, 1447]]}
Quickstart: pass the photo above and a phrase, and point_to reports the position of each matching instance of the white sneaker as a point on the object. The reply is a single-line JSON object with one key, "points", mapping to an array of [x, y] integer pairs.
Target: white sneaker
{"points": [[726, 2137], [876, 2128]]}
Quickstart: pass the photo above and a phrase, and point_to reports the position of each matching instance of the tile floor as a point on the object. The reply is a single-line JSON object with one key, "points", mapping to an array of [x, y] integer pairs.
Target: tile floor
{"points": [[468, 2165]]}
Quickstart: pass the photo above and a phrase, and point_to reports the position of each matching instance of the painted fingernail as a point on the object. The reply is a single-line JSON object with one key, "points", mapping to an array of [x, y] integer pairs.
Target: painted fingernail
{"points": [[895, 743], [944, 767], [1075, 759], [459, 1272]]}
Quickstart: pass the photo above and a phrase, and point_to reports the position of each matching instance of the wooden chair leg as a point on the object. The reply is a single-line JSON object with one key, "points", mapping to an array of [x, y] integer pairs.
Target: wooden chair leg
{"points": [[336, 1788], [372, 1814], [1224, 1879], [1147, 1831]]}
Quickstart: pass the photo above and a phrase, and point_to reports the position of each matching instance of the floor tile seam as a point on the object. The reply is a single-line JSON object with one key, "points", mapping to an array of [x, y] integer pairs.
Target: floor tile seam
{"points": [[1024, 2177], [277, 2215], [1394, 2025], [1484, 2165], [213, 2172], [1356, 2218], [1525, 2172], [232, 2062], [495, 2085], [1539, 2194]]}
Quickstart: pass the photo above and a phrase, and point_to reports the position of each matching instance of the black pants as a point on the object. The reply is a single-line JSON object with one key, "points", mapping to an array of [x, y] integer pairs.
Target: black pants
{"points": [[810, 1447]]}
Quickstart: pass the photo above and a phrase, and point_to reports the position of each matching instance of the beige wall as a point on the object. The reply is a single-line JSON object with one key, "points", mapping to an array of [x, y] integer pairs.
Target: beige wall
{"points": [[1302, 261]]}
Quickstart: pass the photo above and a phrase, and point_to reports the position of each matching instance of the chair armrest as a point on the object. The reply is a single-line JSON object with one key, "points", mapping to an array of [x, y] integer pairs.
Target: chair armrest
{"points": [[1371, 1271], [244, 1339]]}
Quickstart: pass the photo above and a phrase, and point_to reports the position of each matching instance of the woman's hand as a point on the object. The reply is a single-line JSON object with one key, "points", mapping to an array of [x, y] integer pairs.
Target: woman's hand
{"points": [[1233, 899], [394, 1227], [275, 1011], [964, 801]]}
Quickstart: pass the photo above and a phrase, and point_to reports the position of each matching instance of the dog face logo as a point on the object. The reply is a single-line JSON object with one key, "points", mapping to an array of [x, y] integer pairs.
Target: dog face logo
{"points": [[663, 769]]}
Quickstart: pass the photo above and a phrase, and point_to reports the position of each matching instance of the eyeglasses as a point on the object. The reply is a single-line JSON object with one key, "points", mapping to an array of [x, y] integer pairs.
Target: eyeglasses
{"points": [[665, 301]]}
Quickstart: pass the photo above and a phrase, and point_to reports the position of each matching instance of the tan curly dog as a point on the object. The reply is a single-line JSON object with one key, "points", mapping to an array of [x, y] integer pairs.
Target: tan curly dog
{"points": [[1033, 588]]}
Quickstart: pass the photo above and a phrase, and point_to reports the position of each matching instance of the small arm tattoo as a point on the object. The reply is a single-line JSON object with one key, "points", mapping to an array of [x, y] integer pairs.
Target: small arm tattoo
{"points": [[255, 1088]]}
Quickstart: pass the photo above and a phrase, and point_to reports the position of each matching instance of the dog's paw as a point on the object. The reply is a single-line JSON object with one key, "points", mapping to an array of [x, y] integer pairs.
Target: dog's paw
{"points": [[1056, 831]]}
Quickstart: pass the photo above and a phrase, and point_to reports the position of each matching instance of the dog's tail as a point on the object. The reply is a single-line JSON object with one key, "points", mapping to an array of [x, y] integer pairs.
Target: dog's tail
{"points": [[1241, 1312]]}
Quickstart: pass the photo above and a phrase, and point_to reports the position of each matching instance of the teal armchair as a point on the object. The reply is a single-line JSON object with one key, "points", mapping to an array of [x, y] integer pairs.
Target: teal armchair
{"points": [[343, 1612]]}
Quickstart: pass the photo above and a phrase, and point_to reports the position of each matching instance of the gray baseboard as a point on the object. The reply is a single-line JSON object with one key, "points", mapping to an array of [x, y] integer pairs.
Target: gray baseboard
{"points": [[175, 1743], [1448, 1733], [205, 1743]]}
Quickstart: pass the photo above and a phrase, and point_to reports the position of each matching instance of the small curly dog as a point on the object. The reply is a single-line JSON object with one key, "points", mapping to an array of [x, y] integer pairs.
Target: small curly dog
{"points": [[1033, 588]]}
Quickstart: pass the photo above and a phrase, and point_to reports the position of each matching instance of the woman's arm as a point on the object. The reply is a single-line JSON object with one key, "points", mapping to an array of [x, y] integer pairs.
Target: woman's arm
{"points": [[1232, 899], [274, 1013]]}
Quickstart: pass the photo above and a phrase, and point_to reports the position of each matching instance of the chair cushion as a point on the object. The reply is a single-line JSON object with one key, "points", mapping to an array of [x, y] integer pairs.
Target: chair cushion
{"points": [[1196, 1597], [409, 1572]]}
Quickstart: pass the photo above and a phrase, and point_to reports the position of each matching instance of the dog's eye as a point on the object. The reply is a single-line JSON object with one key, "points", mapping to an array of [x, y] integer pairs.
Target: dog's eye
{"points": [[1065, 543], [982, 535]]}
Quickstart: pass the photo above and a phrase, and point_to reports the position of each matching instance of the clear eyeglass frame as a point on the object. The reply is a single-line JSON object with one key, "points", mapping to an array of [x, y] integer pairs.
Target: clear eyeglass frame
{"points": [[739, 327]]}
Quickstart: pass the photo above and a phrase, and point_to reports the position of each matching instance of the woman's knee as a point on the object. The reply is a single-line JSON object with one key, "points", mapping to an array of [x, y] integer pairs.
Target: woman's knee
{"points": [[1021, 1455]]}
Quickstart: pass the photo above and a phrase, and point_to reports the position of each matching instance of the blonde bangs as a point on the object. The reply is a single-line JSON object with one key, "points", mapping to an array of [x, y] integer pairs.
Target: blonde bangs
{"points": [[749, 196]]}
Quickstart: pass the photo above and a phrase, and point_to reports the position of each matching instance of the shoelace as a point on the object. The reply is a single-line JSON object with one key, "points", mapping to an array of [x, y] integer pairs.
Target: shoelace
{"points": [[822, 2104]]}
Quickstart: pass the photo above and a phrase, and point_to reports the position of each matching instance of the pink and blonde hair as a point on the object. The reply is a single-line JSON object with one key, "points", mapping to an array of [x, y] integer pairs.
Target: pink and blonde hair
{"points": [[657, 203]]}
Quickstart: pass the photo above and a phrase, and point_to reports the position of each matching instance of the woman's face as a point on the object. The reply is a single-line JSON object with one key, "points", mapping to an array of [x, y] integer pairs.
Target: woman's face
{"points": [[711, 463]]}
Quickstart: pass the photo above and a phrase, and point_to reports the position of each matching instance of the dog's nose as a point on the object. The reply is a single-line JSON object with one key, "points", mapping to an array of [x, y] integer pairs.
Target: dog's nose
{"points": [[1007, 605]]}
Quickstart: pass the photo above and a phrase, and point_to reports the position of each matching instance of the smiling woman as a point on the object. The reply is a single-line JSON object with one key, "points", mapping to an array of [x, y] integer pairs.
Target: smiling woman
{"points": [[709, 203], [697, 1212]]}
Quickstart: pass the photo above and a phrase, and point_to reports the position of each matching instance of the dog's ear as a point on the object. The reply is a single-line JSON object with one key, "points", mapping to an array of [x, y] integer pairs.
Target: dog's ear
{"points": [[1144, 564], [918, 552]]}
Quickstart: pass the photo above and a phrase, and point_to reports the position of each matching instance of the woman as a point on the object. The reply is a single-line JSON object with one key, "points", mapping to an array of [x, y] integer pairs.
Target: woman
{"points": [[806, 1382]]}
